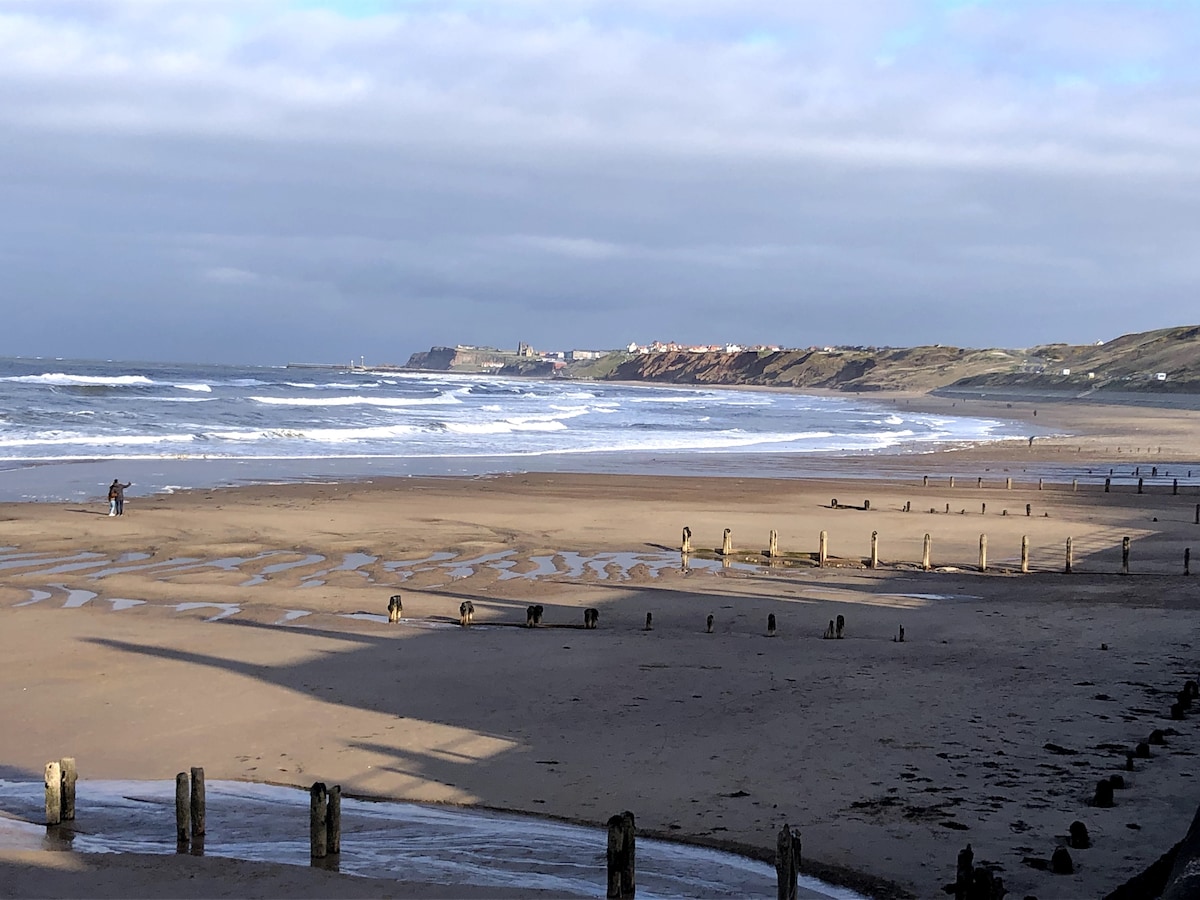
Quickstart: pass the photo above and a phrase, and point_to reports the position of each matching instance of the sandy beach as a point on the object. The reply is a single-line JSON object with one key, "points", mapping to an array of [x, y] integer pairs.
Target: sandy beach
{"points": [[261, 651]]}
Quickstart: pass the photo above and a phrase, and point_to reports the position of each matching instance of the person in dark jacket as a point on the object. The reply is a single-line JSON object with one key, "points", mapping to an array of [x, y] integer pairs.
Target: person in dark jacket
{"points": [[116, 498]]}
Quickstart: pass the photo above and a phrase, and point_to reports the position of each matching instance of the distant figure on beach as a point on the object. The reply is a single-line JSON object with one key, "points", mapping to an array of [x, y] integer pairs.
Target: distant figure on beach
{"points": [[116, 497]]}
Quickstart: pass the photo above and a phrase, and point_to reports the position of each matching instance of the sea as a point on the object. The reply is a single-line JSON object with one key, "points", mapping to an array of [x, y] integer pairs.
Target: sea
{"points": [[69, 427]]}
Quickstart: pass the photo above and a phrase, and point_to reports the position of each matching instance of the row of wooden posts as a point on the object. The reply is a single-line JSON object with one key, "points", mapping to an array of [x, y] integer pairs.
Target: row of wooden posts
{"points": [[822, 560], [1008, 483], [325, 827]]}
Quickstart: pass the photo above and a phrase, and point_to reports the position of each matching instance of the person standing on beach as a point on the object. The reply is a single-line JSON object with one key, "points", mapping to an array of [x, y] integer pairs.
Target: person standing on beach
{"points": [[116, 497]]}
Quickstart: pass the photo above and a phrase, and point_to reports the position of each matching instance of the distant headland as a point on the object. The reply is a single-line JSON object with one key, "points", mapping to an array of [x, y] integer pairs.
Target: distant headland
{"points": [[1160, 367]]}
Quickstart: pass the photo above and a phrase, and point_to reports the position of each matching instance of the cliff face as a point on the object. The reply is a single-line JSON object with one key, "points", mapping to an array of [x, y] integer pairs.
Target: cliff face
{"points": [[917, 368], [1166, 361]]}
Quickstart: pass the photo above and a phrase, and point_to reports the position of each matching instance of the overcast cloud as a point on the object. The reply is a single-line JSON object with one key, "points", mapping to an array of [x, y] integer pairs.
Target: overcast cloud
{"points": [[272, 181]]}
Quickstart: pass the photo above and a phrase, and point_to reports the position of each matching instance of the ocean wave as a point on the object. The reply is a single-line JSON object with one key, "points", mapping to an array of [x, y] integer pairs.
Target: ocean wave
{"points": [[176, 399], [358, 400], [58, 438], [61, 379], [506, 427], [199, 387], [317, 435], [333, 385]]}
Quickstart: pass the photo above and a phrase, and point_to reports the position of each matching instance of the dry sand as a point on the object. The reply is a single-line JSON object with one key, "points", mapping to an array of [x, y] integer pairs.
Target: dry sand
{"points": [[990, 724]]}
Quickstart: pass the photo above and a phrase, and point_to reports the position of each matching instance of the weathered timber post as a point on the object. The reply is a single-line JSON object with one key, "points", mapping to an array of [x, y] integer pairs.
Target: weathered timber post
{"points": [[1008, 484], [867, 505], [983, 509], [951, 481], [1140, 485], [1041, 484], [69, 777], [318, 828], [874, 549], [925, 481], [1175, 487], [773, 546], [1198, 514], [925, 552], [685, 546], [183, 818], [787, 863], [1025, 554], [823, 549], [1074, 485], [649, 622], [1107, 485], [1125, 555], [964, 873], [53, 781], [197, 802], [727, 542], [622, 854], [979, 482], [1028, 510], [333, 820], [708, 624], [1187, 560], [983, 553], [1154, 471], [771, 625], [1070, 557]]}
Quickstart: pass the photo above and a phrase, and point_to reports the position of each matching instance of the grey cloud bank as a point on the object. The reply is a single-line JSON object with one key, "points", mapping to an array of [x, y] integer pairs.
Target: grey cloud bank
{"points": [[267, 182]]}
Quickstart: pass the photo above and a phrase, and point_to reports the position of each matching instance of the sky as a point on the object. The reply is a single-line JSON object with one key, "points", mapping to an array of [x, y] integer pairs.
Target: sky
{"points": [[261, 181]]}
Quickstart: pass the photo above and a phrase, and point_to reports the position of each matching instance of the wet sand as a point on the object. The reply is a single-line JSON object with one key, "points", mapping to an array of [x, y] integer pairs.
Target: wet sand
{"points": [[260, 650]]}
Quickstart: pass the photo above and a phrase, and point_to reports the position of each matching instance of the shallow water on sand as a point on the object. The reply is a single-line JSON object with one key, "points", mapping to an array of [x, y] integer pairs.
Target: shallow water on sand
{"points": [[433, 844]]}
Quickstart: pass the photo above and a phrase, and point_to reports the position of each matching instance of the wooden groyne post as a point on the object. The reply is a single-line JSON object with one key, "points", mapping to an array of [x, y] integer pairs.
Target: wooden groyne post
{"points": [[727, 543], [1070, 557], [333, 820], [823, 549], [318, 828], [787, 863], [70, 775], [685, 545], [1125, 555], [925, 551], [773, 545], [197, 802], [1025, 554], [53, 783], [874, 549], [622, 854], [183, 808], [983, 553]]}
